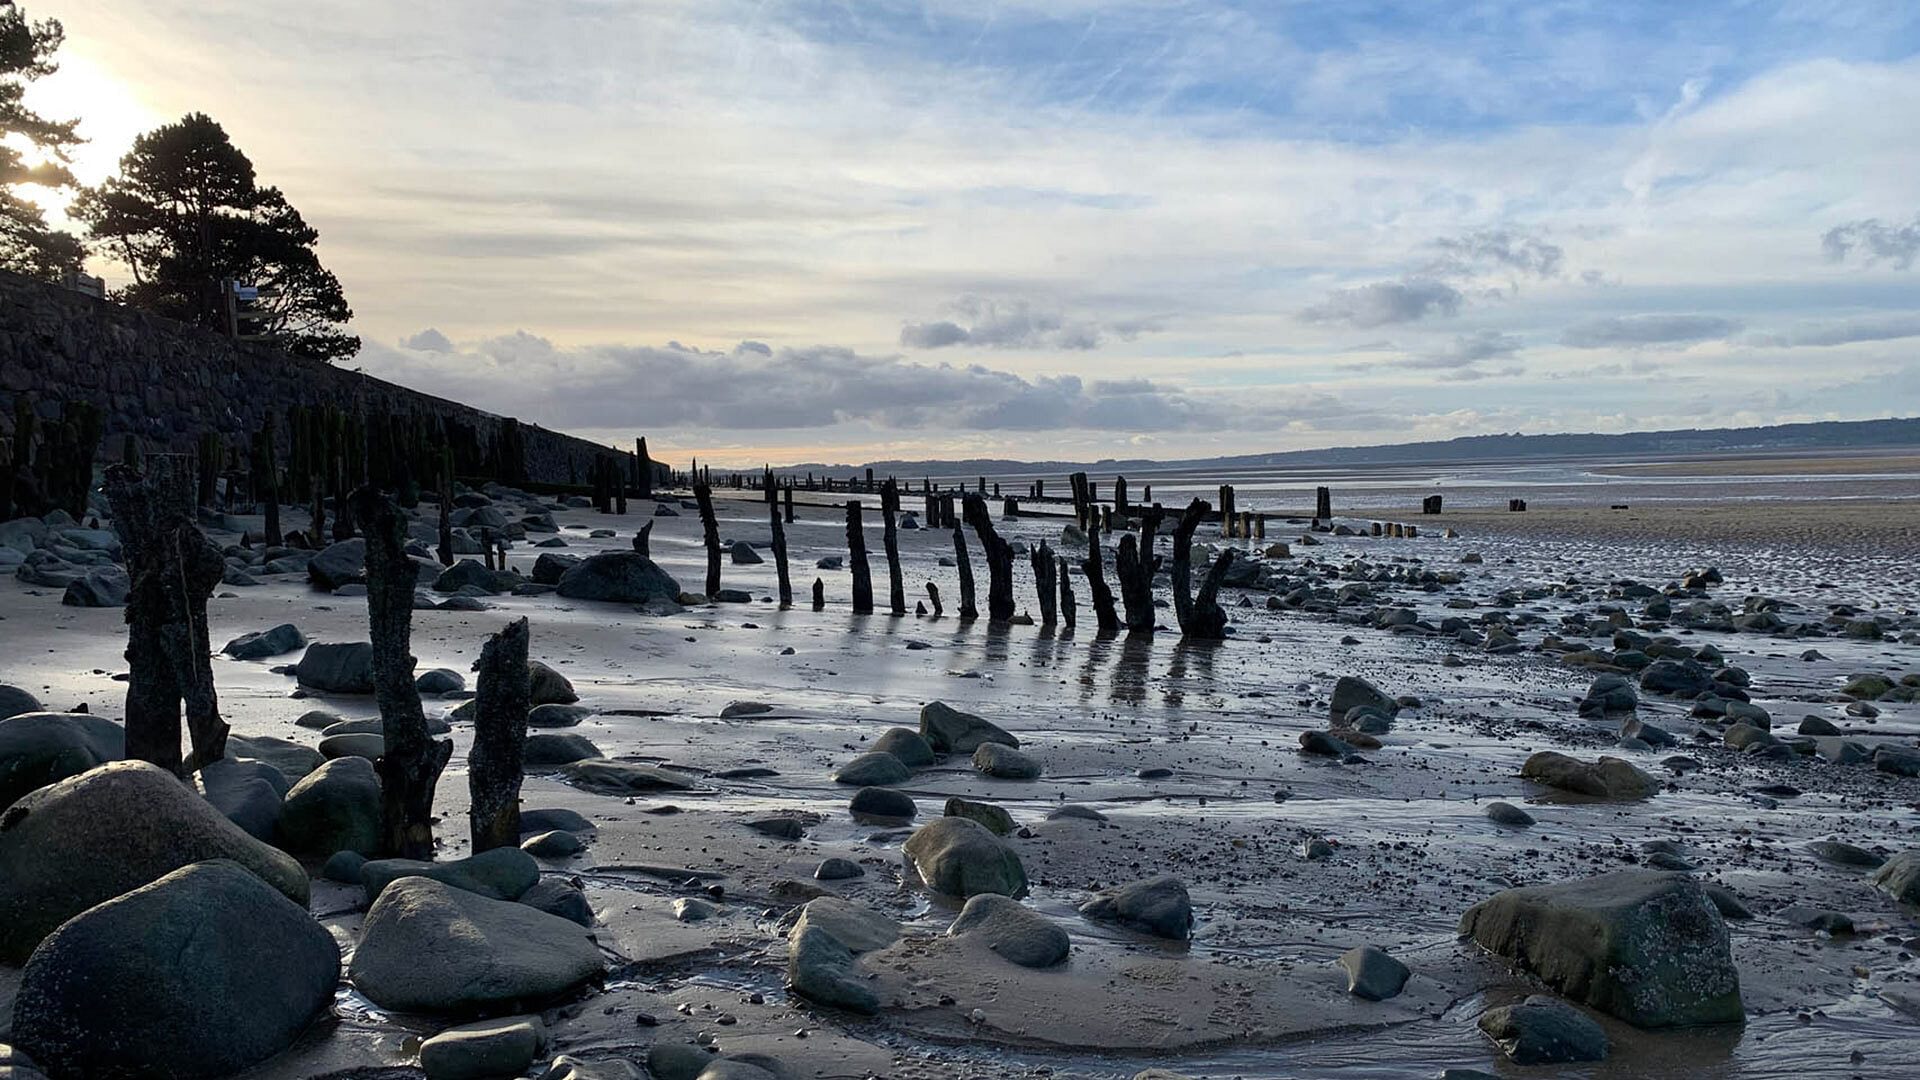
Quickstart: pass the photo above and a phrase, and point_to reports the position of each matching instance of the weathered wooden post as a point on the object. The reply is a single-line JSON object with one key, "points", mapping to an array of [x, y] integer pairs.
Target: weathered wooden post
{"points": [[857, 560], [890, 540], [446, 505], [710, 530], [933, 594], [173, 568], [1227, 520], [1065, 577], [1106, 621], [779, 542], [964, 565], [646, 467], [643, 540], [1200, 619], [819, 594], [615, 476], [206, 472], [999, 556], [496, 761], [411, 762], [1120, 497], [266, 486], [1044, 583], [1135, 563], [1323, 503]]}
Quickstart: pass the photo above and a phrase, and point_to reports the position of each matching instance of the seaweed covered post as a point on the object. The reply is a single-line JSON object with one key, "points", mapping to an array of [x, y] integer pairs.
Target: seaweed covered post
{"points": [[890, 540], [1044, 583], [857, 561], [1106, 622], [496, 762], [779, 540], [710, 531], [968, 611], [1200, 619], [1068, 616], [411, 763], [999, 555], [173, 568]]}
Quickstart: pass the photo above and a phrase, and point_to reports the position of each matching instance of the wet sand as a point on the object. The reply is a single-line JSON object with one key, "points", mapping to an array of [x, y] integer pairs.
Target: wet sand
{"points": [[1254, 994]]}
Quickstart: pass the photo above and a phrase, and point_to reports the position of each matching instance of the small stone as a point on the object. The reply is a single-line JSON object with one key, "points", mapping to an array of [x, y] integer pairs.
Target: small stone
{"points": [[1372, 974]]}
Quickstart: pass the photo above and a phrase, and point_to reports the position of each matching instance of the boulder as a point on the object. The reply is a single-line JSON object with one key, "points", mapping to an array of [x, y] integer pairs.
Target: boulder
{"points": [[1004, 762], [100, 586], [1899, 877], [1351, 692], [1647, 946], [1372, 974], [248, 793], [872, 769], [556, 715], [625, 577], [556, 896], [366, 744], [541, 820], [549, 568], [950, 731], [960, 857], [337, 667], [553, 844], [198, 974], [1158, 906], [884, 804], [41, 748], [743, 554], [913, 750], [857, 928], [290, 759], [1544, 1031], [821, 969], [1606, 778], [1016, 932], [996, 819], [261, 644], [439, 681], [92, 837], [1505, 813], [471, 574], [1680, 678], [429, 947], [485, 1050], [1609, 694], [547, 686], [337, 564], [504, 873], [14, 700], [624, 777], [334, 808], [547, 749]]}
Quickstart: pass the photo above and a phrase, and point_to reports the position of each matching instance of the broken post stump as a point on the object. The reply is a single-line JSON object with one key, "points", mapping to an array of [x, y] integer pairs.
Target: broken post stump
{"points": [[857, 560], [1105, 620], [965, 567], [819, 594], [710, 531], [933, 594], [1044, 584], [1323, 503], [496, 761], [999, 555], [1065, 577], [890, 541]]}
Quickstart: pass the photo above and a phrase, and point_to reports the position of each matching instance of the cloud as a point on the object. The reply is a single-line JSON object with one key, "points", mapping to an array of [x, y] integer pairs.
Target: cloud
{"points": [[1512, 248], [755, 387], [1842, 331], [1636, 331], [1876, 241], [1016, 324], [1386, 302], [428, 340]]}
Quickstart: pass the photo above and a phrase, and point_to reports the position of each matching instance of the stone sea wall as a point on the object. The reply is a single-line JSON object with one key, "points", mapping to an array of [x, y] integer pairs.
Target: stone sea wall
{"points": [[167, 382]]}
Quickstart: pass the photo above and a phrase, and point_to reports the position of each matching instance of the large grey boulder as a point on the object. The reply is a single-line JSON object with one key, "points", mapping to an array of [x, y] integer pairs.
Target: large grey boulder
{"points": [[261, 644], [908, 745], [549, 568], [545, 749], [546, 686], [1647, 946], [871, 769], [856, 927], [483, 1051], [334, 808], [1005, 763], [1680, 678], [950, 731], [291, 759], [1352, 692], [15, 700], [1899, 877], [960, 857], [92, 837], [337, 667], [1544, 1031], [100, 586], [41, 748], [503, 873], [820, 968], [342, 563], [625, 577], [1158, 906], [1015, 932], [1609, 695], [1372, 974], [624, 777], [429, 947], [248, 792], [472, 574], [1605, 778], [199, 974]]}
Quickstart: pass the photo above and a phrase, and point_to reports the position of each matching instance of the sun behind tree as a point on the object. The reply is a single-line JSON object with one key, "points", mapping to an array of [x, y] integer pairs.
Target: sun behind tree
{"points": [[186, 214], [27, 244]]}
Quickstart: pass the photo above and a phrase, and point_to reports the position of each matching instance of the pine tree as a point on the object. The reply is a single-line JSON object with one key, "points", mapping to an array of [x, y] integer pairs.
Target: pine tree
{"points": [[27, 244]]}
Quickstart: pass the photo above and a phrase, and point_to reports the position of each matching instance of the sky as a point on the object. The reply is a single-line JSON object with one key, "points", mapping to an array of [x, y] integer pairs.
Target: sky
{"points": [[1069, 229]]}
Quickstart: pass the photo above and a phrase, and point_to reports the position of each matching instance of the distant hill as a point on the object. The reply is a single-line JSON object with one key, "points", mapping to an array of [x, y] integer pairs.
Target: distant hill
{"points": [[1471, 449]]}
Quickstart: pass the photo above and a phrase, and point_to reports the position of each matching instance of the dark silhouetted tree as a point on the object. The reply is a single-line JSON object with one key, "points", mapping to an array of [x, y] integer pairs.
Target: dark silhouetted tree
{"points": [[27, 244], [186, 213]]}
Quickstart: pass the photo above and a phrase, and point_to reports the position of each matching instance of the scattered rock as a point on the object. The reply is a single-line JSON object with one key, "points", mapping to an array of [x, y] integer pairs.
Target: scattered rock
{"points": [[1544, 1031], [261, 644], [960, 857], [873, 769], [439, 681], [1004, 763], [490, 1048], [553, 844], [820, 968], [546, 749], [334, 808], [501, 873], [344, 667], [41, 748], [914, 751], [838, 869], [883, 804], [559, 897], [1899, 877], [996, 819], [1017, 933], [624, 577], [1504, 813], [1372, 974], [1158, 906], [950, 731], [1607, 778], [547, 686], [624, 777]]}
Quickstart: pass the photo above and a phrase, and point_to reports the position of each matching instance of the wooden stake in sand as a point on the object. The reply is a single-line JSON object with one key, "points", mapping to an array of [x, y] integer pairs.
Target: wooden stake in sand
{"points": [[999, 555], [1200, 618], [710, 529], [933, 594], [1106, 622], [645, 467], [496, 760], [411, 763], [965, 566], [643, 540], [890, 540], [779, 540], [173, 569], [1044, 583], [819, 594], [1065, 576], [857, 561], [1135, 563]]}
